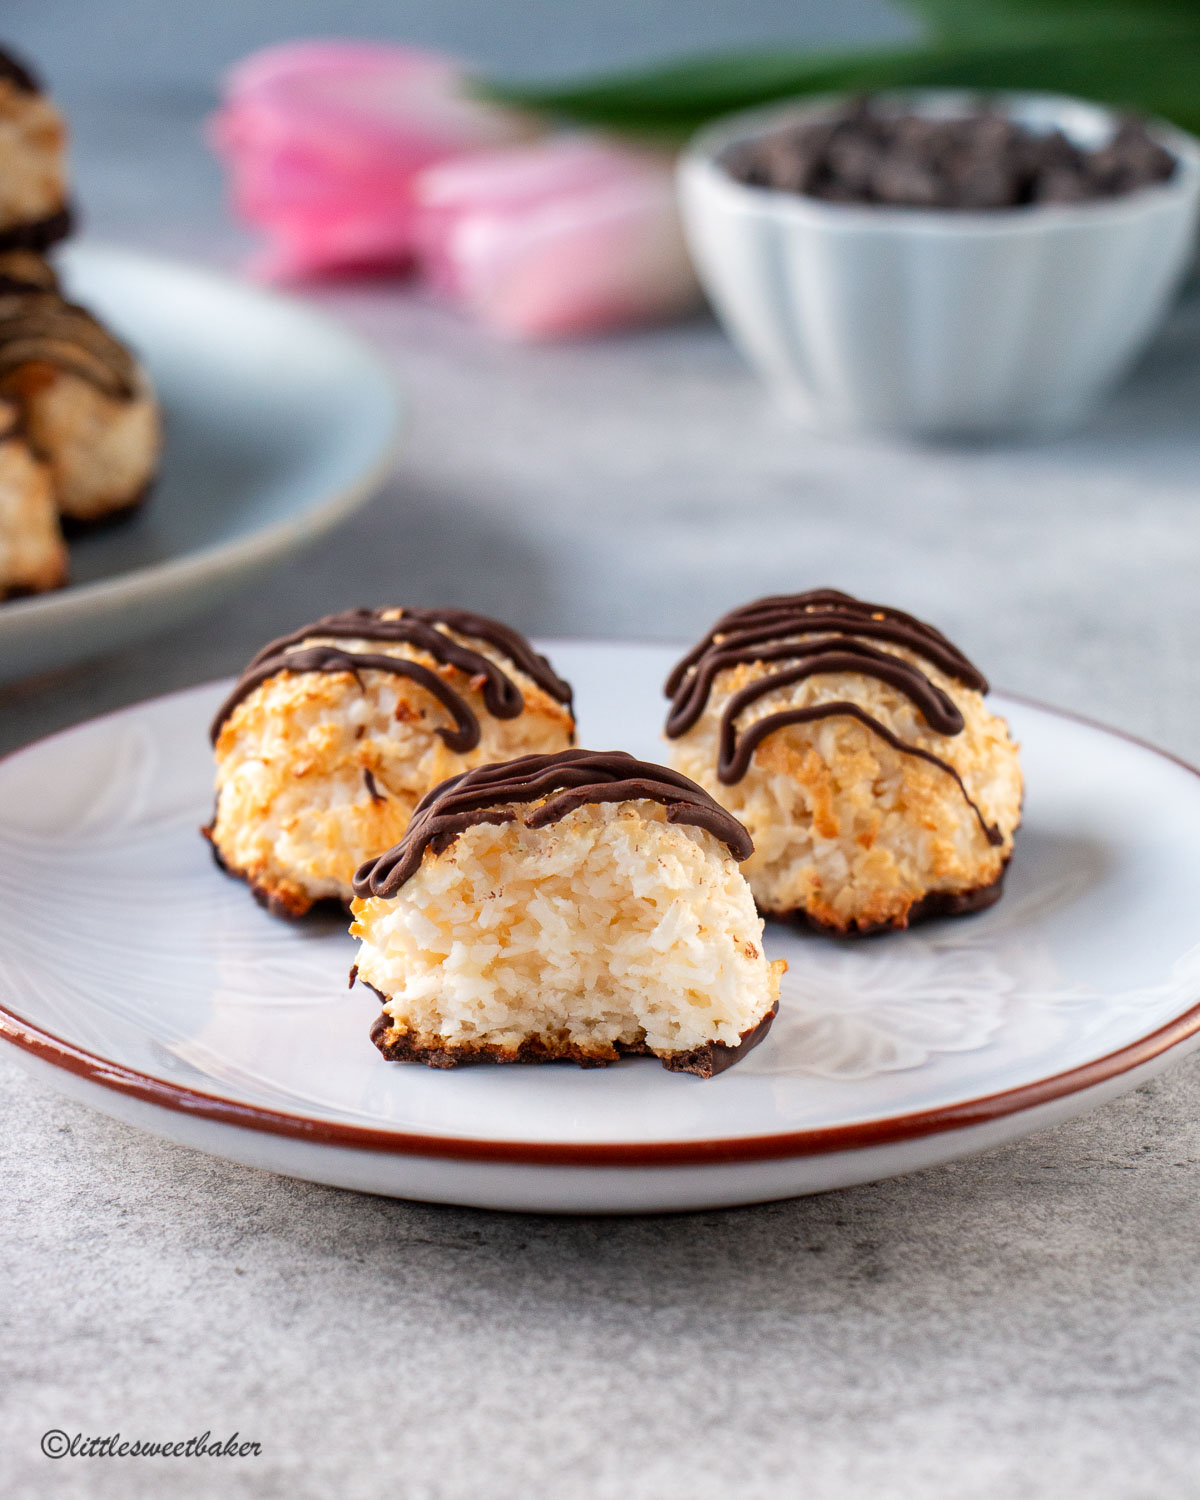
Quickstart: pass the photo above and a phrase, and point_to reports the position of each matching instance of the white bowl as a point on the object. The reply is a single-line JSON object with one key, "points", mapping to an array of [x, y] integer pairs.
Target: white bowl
{"points": [[934, 321]]}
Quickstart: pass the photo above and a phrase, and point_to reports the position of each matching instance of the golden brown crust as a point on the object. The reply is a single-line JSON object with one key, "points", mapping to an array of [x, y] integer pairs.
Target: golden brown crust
{"points": [[25, 591], [33, 555], [285, 832], [34, 211], [927, 908], [287, 901], [102, 449], [398, 1045], [848, 828], [58, 580]]}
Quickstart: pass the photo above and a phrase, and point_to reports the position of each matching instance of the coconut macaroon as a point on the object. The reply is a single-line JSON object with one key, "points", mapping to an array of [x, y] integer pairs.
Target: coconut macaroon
{"points": [[333, 734], [33, 182], [854, 743], [33, 556], [575, 906], [86, 404]]}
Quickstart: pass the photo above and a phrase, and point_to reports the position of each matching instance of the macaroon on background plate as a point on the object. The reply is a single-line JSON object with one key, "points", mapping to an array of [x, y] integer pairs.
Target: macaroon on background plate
{"points": [[278, 422]]}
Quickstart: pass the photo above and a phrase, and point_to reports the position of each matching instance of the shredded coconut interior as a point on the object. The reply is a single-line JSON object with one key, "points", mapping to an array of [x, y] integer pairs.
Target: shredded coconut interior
{"points": [[609, 926]]}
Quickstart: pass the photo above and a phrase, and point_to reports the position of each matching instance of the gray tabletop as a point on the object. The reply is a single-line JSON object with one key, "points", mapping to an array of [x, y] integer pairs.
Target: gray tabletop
{"points": [[1020, 1324]]}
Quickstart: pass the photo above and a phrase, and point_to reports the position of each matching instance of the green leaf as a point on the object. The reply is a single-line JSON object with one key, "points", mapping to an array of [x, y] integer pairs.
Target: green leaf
{"points": [[981, 20], [1150, 71]]}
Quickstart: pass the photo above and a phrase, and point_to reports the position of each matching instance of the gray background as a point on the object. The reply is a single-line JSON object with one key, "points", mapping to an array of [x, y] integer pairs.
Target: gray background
{"points": [[1023, 1324]]}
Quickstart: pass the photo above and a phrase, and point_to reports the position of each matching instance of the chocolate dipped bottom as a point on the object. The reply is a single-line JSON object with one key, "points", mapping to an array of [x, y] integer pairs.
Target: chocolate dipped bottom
{"points": [[39, 234], [772, 647], [538, 792], [703, 1061]]}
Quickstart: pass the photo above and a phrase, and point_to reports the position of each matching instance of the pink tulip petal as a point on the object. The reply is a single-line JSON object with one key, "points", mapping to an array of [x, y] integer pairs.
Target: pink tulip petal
{"points": [[323, 140], [556, 238]]}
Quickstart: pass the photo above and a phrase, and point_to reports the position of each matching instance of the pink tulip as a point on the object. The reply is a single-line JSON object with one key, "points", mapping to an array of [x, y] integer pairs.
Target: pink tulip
{"points": [[557, 237], [323, 140]]}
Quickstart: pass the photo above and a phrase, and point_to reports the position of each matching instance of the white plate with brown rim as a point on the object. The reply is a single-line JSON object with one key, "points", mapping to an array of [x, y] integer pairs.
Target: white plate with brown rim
{"points": [[170, 1000]]}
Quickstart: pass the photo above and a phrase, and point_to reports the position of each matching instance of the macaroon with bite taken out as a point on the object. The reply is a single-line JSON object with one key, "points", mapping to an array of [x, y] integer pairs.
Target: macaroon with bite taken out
{"points": [[579, 907]]}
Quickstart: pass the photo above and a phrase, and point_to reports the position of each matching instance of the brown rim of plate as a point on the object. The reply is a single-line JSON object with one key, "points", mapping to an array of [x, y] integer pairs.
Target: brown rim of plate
{"points": [[856, 1136]]}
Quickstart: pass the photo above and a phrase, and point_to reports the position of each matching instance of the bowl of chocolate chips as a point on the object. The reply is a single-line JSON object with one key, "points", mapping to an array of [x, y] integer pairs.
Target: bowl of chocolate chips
{"points": [[937, 263]]}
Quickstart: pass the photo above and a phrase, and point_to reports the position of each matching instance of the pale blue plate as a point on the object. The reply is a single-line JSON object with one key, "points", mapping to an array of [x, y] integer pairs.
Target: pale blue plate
{"points": [[278, 423]]}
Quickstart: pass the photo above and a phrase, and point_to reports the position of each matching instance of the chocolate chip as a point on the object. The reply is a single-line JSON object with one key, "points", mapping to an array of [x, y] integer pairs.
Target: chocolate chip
{"points": [[980, 160], [1061, 185]]}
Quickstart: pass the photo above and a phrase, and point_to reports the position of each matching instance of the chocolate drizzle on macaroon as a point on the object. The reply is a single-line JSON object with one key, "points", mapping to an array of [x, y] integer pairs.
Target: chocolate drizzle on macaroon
{"points": [[810, 634], [417, 628], [38, 327], [560, 783]]}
